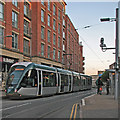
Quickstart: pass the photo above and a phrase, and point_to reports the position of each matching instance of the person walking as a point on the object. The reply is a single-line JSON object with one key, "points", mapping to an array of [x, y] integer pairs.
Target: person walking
{"points": [[107, 86]]}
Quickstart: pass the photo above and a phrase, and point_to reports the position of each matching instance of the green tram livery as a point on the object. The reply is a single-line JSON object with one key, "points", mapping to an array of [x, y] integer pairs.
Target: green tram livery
{"points": [[30, 79]]}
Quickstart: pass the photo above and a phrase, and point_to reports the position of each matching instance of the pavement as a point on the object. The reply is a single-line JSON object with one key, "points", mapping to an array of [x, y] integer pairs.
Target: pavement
{"points": [[99, 106]]}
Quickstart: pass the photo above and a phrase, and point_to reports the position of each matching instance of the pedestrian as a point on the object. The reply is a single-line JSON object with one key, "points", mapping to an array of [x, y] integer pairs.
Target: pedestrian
{"points": [[107, 86], [99, 84]]}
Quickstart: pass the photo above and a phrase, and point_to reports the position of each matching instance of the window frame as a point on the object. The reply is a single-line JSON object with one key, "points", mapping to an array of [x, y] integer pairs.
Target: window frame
{"points": [[26, 46], [2, 11], [1, 35], [42, 15], [42, 32], [15, 3], [14, 40], [42, 49], [14, 21], [48, 20]]}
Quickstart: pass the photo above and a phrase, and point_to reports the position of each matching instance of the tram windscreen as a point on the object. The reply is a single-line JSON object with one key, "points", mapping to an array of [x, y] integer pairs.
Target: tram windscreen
{"points": [[15, 74]]}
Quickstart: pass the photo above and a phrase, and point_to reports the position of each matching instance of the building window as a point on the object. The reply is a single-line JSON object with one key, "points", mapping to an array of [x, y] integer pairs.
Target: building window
{"points": [[48, 51], [54, 53], [26, 9], [42, 2], [54, 39], [14, 40], [1, 11], [42, 15], [49, 5], [59, 42], [54, 9], [59, 56], [58, 28], [14, 2], [54, 22], [14, 19], [59, 14], [63, 22], [48, 20], [26, 27], [42, 32], [63, 34], [63, 47], [42, 49], [1, 35], [26, 46], [69, 27], [48, 36]]}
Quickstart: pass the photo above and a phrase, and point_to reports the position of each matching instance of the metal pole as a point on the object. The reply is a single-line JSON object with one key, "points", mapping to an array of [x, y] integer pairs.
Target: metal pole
{"points": [[116, 56]]}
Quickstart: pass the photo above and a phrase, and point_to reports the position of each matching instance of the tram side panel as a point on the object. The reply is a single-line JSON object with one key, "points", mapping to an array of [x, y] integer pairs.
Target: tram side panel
{"points": [[29, 83], [76, 86], [50, 85]]}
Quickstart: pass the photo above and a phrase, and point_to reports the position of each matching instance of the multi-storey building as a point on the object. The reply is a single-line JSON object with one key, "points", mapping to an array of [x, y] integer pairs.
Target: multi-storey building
{"points": [[47, 33], [15, 37], [73, 49], [38, 32]]}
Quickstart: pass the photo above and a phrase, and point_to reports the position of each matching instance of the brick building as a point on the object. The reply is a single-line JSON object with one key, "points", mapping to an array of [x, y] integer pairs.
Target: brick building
{"points": [[38, 32], [73, 52]]}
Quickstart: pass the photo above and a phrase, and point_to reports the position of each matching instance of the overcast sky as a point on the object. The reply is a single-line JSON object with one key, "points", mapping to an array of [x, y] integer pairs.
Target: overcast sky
{"points": [[89, 13]]}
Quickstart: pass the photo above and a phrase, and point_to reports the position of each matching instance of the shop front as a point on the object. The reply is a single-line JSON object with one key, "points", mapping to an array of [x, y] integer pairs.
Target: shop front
{"points": [[5, 63]]}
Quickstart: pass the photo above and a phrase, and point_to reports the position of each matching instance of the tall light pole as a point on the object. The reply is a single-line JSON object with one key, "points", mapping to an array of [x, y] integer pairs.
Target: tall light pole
{"points": [[103, 46]]}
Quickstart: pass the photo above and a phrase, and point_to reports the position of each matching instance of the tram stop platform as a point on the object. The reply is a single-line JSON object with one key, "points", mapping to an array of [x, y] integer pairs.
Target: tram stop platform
{"points": [[100, 106]]}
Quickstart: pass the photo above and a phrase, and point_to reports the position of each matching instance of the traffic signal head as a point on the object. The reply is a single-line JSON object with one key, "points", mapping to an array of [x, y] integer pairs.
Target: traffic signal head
{"points": [[102, 43]]}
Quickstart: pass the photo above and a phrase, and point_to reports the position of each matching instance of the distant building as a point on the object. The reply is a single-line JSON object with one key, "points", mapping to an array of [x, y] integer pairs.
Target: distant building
{"points": [[94, 78]]}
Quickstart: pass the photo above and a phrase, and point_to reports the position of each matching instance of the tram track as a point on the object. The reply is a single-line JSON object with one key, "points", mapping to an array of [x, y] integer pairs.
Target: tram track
{"points": [[35, 105]]}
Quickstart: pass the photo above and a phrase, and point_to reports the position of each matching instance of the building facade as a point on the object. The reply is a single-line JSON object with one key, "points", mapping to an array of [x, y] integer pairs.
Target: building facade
{"points": [[38, 32], [73, 52]]}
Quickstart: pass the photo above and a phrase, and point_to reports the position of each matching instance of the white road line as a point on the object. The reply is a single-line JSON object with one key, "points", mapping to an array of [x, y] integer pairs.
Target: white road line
{"points": [[15, 106]]}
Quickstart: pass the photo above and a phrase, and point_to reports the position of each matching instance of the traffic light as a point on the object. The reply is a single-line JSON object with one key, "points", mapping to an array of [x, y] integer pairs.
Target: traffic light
{"points": [[102, 43], [104, 19]]}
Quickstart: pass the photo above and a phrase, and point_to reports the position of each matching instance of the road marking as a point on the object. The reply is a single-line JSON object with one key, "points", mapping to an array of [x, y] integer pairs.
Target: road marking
{"points": [[83, 102], [72, 112], [75, 111], [15, 106]]}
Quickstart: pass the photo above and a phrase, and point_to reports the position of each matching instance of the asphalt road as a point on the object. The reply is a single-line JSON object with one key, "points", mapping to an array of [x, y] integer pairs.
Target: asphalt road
{"points": [[57, 106]]}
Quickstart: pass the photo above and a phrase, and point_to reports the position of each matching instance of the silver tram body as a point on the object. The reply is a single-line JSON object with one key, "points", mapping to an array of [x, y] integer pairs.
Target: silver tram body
{"points": [[30, 79]]}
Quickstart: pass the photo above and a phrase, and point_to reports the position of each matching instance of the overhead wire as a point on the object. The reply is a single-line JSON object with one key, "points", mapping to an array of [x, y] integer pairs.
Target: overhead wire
{"points": [[92, 50]]}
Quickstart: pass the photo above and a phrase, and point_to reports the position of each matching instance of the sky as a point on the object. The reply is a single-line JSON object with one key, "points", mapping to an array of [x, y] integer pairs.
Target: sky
{"points": [[89, 13]]}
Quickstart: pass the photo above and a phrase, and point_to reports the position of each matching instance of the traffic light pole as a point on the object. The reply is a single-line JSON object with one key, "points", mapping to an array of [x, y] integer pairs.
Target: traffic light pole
{"points": [[116, 55], [104, 48]]}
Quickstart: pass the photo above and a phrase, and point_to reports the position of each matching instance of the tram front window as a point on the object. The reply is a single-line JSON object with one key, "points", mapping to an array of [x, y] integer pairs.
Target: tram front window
{"points": [[30, 79], [15, 74]]}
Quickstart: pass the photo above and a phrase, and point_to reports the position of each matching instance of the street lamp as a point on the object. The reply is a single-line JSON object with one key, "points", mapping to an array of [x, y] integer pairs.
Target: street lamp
{"points": [[103, 46]]}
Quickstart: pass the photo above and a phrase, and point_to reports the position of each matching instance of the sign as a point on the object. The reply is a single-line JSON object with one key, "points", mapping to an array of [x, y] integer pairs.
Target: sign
{"points": [[7, 59]]}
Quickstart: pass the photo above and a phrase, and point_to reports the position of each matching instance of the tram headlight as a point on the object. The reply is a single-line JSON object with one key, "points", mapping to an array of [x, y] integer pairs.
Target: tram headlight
{"points": [[15, 90]]}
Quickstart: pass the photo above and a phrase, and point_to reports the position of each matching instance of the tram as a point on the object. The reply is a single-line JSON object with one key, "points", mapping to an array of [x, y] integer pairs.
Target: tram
{"points": [[30, 79]]}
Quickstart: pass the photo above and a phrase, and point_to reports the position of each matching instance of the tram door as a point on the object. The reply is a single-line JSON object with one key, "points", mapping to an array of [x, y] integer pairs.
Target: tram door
{"points": [[29, 83], [70, 83], [40, 83]]}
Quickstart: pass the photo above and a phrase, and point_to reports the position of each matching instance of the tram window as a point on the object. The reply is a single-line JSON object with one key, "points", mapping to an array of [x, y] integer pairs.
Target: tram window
{"points": [[49, 79], [64, 80], [76, 80], [30, 79]]}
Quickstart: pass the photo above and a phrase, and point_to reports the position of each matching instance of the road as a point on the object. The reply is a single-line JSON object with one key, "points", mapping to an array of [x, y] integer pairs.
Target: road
{"points": [[57, 106]]}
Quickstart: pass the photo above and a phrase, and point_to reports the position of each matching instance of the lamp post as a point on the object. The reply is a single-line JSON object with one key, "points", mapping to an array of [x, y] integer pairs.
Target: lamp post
{"points": [[103, 46]]}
